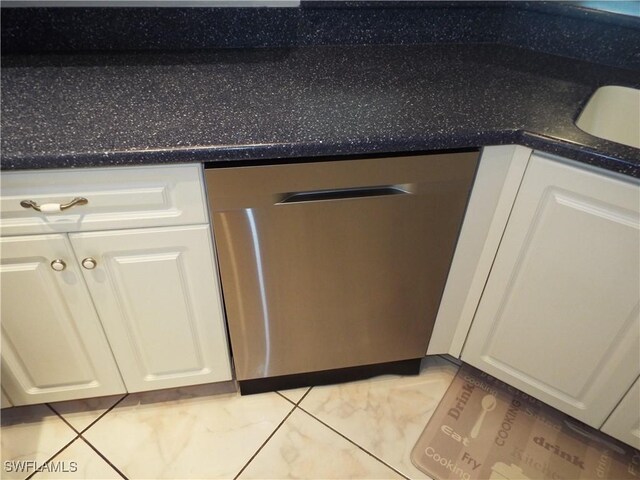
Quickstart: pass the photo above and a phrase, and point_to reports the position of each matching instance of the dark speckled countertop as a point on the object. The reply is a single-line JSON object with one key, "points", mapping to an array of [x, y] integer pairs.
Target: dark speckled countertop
{"points": [[81, 110]]}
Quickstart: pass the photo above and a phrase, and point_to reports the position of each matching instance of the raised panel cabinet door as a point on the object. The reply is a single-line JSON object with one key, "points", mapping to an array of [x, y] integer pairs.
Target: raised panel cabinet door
{"points": [[624, 422], [157, 293], [53, 346], [559, 318]]}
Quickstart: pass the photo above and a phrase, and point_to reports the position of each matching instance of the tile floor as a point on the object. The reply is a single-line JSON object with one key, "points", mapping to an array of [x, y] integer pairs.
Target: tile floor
{"points": [[360, 430]]}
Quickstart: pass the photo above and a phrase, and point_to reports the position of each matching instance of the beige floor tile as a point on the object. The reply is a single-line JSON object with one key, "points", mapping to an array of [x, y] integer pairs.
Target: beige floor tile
{"points": [[294, 394], [32, 433], [305, 448], [78, 461], [81, 413], [191, 435], [385, 415]]}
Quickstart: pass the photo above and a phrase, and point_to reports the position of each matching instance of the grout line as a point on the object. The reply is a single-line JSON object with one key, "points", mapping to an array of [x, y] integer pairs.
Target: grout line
{"points": [[287, 399], [63, 419], [103, 457], [79, 436], [56, 454], [291, 401], [304, 396], [354, 443], [104, 413], [265, 442], [92, 423]]}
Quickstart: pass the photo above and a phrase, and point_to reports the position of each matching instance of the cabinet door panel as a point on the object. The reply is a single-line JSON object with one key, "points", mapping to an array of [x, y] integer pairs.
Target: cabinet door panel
{"points": [[157, 294], [559, 317], [53, 347]]}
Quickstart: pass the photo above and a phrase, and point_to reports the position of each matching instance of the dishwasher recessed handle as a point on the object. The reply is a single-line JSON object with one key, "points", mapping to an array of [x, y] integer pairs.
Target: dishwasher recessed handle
{"points": [[342, 194]]}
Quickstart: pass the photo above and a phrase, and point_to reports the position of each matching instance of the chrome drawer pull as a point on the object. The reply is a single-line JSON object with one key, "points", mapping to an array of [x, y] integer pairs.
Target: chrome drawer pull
{"points": [[53, 207]]}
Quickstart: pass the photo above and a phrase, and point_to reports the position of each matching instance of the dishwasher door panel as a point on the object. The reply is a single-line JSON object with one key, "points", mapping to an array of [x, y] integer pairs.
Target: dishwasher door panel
{"points": [[317, 277]]}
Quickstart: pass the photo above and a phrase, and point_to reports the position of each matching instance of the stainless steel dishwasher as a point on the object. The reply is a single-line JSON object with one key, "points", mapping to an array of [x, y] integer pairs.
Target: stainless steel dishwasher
{"points": [[338, 264]]}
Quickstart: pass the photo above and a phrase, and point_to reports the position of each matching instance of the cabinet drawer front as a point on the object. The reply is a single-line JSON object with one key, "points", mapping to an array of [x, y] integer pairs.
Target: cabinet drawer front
{"points": [[117, 198]]}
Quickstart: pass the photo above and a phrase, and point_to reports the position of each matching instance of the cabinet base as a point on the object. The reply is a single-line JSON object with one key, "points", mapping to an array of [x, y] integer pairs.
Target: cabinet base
{"points": [[325, 377]]}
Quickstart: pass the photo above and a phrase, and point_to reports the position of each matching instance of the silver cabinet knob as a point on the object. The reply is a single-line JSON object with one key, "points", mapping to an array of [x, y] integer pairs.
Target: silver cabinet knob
{"points": [[58, 265], [89, 263]]}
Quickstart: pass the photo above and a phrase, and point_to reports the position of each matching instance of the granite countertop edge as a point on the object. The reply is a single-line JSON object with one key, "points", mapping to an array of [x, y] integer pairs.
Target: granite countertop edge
{"points": [[337, 102], [228, 155]]}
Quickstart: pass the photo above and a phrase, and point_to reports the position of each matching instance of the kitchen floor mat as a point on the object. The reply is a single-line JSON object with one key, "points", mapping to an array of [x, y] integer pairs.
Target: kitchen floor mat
{"points": [[485, 429]]}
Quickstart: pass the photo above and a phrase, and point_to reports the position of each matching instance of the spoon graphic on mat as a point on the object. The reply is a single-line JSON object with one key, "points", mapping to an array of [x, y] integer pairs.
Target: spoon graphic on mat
{"points": [[488, 404]]}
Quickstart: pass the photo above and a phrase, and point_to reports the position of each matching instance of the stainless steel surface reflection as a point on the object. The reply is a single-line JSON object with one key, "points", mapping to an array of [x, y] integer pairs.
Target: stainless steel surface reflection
{"points": [[335, 264]]}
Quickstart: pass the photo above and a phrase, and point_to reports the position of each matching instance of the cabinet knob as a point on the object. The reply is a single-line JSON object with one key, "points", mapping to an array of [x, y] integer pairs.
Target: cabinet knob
{"points": [[89, 263], [58, 265]]}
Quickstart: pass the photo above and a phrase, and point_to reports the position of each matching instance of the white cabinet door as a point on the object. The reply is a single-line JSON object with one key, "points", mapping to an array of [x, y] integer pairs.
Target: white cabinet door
{"points": [[157, 294], [559, 315], [53, 346], [624, 422]]}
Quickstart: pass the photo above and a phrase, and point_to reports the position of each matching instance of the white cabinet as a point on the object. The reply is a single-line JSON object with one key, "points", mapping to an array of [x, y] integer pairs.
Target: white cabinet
{"points": [[624, 422], [153, 291], [157, 295], [53, 346], [559, 315], [495, 188]]}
